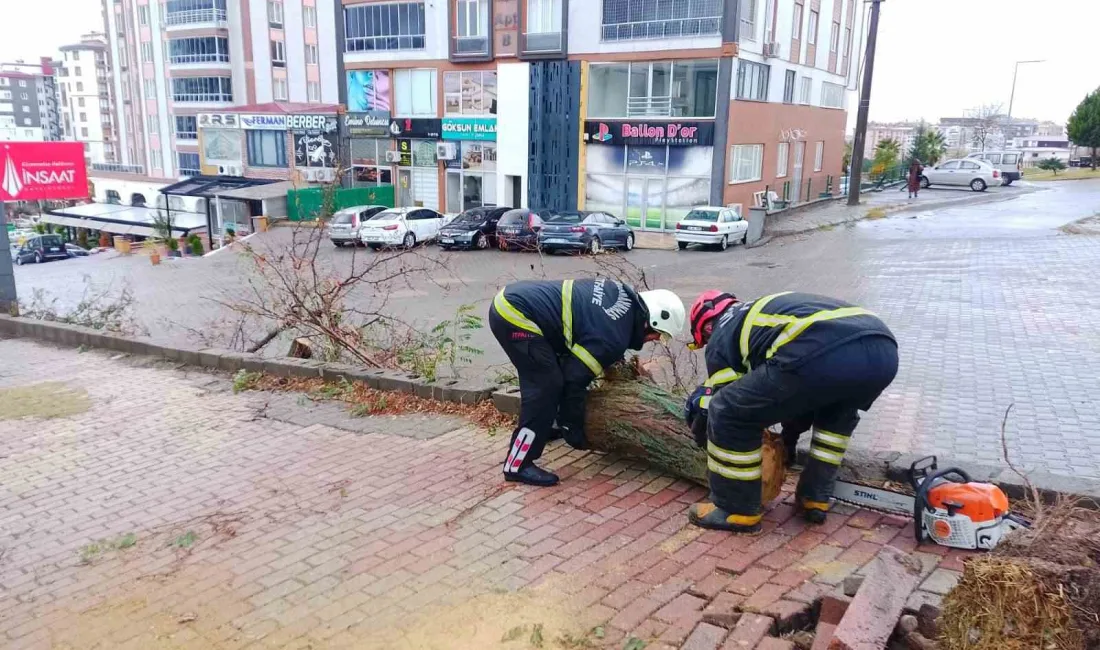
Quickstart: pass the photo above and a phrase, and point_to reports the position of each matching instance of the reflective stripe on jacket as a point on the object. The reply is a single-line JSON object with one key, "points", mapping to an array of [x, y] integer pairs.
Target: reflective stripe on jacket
{"points": [[789, 328]]}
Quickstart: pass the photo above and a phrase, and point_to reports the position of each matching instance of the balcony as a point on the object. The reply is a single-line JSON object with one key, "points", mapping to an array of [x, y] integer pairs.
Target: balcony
{"points": [[181, 59], [542, 43], [649, 107], [118, 168], [190, 18], [467, 47]]}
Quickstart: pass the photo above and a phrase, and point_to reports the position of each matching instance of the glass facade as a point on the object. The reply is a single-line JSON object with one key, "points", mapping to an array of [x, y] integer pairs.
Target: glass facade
{"points": [[472, 179], [653, 89], [649, 187]]}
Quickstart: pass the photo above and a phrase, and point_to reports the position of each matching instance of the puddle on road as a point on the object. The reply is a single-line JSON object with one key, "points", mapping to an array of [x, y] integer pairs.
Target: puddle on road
{"points": [[44, 401]]}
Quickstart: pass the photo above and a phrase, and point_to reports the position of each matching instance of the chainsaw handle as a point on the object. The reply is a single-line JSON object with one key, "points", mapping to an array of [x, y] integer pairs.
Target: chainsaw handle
{"points": [[920, 503]]}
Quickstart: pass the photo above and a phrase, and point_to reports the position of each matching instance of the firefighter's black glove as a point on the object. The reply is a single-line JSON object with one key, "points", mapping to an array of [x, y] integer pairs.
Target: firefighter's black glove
{"points": [[696, 403], [699, 430], [574, 437]]}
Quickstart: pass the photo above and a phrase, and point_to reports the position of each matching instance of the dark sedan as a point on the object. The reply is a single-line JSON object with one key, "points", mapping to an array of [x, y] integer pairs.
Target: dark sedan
{"points": [[41, 248], [519, 230], [474, 228], [585, 231]]}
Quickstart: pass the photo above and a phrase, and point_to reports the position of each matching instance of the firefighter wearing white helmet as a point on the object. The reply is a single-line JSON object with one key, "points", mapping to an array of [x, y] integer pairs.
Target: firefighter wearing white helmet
{"points": [[560, 335]]}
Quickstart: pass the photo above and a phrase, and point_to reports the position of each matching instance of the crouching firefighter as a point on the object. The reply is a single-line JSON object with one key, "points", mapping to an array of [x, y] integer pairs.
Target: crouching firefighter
{"points": [[788, 357], [560, 335]]}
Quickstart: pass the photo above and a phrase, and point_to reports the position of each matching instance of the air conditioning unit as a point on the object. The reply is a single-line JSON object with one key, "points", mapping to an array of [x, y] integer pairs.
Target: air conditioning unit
{"points": [[317, 175], [771, 49], [445, 151], [230, 170], [393, 156]]}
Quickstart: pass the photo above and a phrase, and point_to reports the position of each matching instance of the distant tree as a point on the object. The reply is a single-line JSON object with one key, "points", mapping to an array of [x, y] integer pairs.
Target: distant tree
{"points": [[928, 146], [987, 123], [1084, 124], [846, 160], [886, 155], [1052, 164]]}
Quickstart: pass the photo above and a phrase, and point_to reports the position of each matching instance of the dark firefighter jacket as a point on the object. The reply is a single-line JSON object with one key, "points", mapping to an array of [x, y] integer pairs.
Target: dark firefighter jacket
{"points": [[785, 328], [590, 323]]}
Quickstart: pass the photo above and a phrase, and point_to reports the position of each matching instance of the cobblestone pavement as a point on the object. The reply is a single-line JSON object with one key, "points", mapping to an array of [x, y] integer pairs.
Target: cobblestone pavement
{"points": [[174, 514], [992, 304]]}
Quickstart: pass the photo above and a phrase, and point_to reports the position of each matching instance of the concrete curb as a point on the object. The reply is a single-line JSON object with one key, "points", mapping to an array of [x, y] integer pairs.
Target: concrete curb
{"points": [[860, 465]]}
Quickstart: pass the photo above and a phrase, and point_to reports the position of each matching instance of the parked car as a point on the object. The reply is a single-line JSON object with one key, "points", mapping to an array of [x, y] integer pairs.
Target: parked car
{"points": [[76, 251], [1009, 163], [711, 226], [345, 224], [978, 174], [474, 228], [519, 229], [584, 230], [401, 227], [41, 248]]}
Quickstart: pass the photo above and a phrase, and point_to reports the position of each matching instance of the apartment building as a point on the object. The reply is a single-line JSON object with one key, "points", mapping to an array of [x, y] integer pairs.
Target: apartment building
{"points": [[904, 133], [86, 101], [28, 101], [653, 109], [175, 60]]}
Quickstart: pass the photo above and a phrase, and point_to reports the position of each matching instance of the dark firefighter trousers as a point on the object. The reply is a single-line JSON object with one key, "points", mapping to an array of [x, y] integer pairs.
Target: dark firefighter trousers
{"points": [[831, 389], [542, 389]]}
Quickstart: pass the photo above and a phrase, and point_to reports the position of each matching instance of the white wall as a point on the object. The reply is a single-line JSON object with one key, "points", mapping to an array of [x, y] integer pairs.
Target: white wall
{"points": [[326, 50], [436, 35], [585, 35], [513, 139], [261, 52], [236, 52], [165, 119], [295, 51]]}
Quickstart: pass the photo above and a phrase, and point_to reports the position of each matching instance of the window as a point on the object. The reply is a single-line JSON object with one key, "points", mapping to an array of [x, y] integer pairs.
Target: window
{"points": [[76, 56], [368, 162], [384, 26], [83, 131], [153, 124], [819, 155], [966, 164], [146, 53], [788, 87], [415, 93], [143, 14], [832, 95], [202, 89], [76, 71], [266, 148], [659, 88], [309, 16], [748, 20], [154, 156], [470, 93], [474, 185], [188, 164], [313, 91], [80, 86], [811, 34], [275, 13], [22, 83], [805, 90], [544, 25], [834, 37], [180, 12], [150, 87], [752, 80], [186, 127], [278, 54], [746, 162], [204, 49], [639, 19], [279, 89], [83, 117], [796, 23], [783, 152], [471, 18], [311, 54]]}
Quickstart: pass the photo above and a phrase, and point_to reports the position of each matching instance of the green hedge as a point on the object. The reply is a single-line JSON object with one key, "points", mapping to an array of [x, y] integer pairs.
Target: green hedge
{"points": [[305, 204]]}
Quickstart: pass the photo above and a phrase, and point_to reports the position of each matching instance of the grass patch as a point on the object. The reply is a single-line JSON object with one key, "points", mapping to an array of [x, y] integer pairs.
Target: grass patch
{"points": [[876, 213], [1071, 174], [89, 552], [51, 399]]}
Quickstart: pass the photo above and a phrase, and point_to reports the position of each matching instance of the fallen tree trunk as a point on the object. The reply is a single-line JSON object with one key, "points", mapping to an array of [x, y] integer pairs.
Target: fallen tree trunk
{"points": [[630, 415]]}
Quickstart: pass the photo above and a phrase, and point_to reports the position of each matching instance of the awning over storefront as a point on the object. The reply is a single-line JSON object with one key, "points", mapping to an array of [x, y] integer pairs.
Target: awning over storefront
{"points": [[259, 192], [210, 186], [122, 219]]}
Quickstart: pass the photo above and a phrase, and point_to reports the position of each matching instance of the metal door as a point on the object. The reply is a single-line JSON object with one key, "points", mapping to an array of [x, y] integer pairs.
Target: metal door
{"points": [[799, 156]]}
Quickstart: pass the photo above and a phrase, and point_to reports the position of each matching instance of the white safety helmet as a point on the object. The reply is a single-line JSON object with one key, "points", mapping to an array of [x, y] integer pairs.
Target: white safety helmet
{"points": [[666, 311]]}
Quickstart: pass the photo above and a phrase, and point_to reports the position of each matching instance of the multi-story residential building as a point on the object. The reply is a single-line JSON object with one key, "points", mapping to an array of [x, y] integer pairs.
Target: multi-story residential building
{"points": [[904, 133], [653, 109], [28, 101], [174, 60], [86, 97]]}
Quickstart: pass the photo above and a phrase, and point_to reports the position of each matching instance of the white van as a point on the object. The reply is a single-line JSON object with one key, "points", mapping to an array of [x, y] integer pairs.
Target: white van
{"points": [[1007, 162]]}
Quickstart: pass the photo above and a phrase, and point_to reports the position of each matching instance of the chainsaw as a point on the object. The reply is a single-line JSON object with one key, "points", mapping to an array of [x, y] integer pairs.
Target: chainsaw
{"points": [[947, 507]]}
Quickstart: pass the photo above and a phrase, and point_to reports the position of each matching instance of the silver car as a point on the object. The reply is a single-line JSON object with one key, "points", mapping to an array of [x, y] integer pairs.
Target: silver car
{"points": [[972, 172], [345, 224]]}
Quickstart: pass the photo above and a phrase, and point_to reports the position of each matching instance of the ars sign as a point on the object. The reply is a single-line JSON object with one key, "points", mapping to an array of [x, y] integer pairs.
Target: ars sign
{"points": [[42, 170]]}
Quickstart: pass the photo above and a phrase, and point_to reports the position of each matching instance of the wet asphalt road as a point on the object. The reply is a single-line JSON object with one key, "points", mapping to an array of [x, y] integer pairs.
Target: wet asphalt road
{"points": [[992, 305]]}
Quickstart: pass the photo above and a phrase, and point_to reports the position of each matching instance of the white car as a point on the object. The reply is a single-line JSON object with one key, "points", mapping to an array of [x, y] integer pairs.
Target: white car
{"points": [[344, 226], [401, 227], [712, 226], [978, 174]]}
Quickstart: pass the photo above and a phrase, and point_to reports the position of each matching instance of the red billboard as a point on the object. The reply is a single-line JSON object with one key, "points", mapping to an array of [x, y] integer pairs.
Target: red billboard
{"points": [[42, 170]]}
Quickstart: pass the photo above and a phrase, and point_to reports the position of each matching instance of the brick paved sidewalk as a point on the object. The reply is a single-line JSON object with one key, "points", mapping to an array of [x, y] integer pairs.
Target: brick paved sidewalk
{"points": [[175, 514]]}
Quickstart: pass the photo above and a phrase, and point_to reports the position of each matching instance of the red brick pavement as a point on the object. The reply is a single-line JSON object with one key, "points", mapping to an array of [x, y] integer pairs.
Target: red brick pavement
{"points": [[318, 537]]}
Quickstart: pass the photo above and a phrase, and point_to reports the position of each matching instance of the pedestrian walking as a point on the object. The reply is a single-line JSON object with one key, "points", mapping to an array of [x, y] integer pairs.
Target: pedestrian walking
{"points": [[915, 171]]}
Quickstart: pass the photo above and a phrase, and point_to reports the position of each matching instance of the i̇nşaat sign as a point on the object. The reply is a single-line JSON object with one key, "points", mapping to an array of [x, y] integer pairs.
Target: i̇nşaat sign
{"points": [[30, 171], [673, 133]]}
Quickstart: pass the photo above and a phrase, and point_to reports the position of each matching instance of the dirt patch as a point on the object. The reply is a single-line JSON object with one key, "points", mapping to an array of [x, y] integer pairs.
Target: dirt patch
{"points": [[48, 400]]}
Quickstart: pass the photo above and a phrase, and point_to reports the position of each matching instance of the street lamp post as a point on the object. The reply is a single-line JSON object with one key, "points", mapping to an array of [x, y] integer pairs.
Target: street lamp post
{"points": [[1015, 70]]}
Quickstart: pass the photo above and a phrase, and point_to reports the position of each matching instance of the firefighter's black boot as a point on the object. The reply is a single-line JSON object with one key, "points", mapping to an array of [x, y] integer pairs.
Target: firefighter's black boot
{"points": [[532, 475], [708, 515], [813, 512]]}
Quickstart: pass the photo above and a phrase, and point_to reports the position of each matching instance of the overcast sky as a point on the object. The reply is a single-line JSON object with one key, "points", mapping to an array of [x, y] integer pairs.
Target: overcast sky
{"points": [[935, 57]]}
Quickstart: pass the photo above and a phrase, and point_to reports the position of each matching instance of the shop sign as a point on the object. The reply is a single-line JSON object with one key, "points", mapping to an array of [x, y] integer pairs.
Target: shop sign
{"points": [[311, 123], [469, 128], [368, 123], [405, 149], [671, 133], [42, 170], [314, 150], [416, 127], [266, 122], [219, 120]]}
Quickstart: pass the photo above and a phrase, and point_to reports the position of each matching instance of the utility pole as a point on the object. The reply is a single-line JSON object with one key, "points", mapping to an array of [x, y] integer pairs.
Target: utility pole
{"points": [[1015, 70], [9, 302], [855, 167]]}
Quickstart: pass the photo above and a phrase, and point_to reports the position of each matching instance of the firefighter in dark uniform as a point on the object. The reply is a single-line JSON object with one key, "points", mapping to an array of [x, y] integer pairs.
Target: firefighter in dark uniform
{"points": [[560, 335], [794, 358]]}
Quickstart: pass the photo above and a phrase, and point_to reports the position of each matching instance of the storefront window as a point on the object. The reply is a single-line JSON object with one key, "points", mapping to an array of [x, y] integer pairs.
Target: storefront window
{"points": [[654, 89], [651, 187], [470, 93], [471, 179], [368, 162]]}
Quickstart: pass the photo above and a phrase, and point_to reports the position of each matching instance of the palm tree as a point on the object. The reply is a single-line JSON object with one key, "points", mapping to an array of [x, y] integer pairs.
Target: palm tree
{"points": [[928, 147], [886, 156]]}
